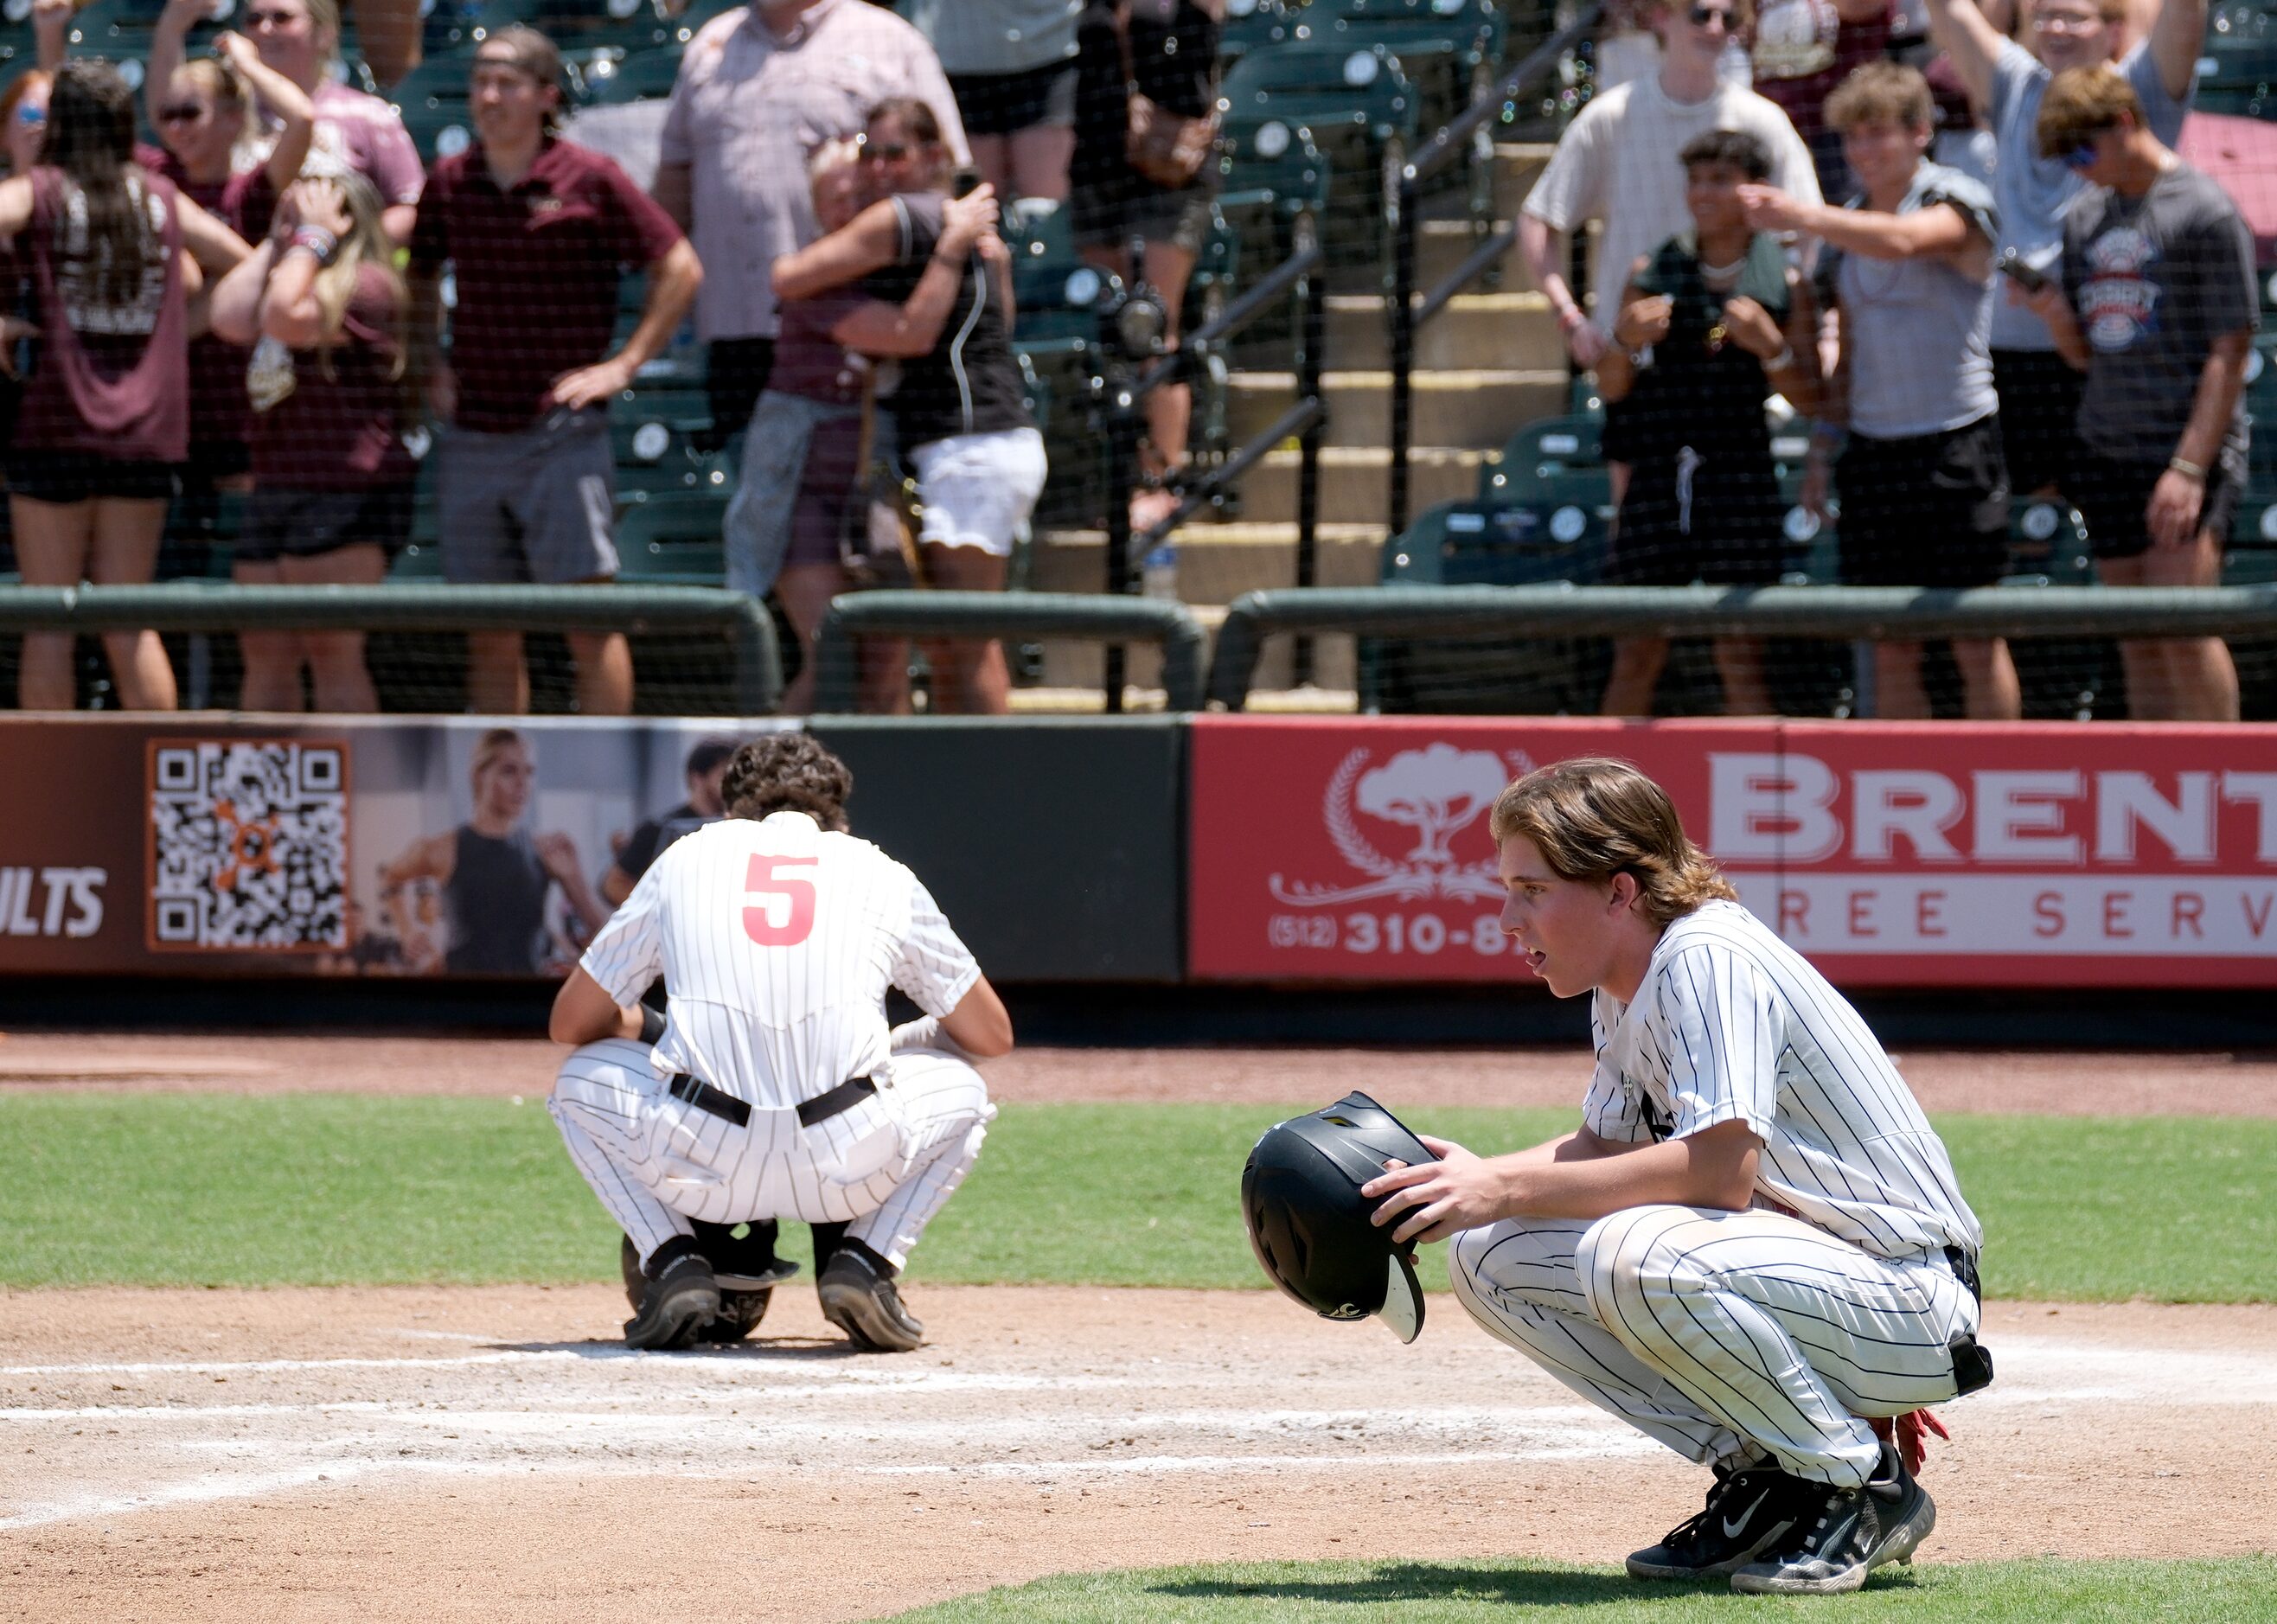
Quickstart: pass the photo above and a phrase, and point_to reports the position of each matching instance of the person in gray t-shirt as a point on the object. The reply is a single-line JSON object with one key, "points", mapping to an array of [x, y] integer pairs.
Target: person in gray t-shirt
{"points": [[2157, 307], [2039, 394], [1910, 408]]}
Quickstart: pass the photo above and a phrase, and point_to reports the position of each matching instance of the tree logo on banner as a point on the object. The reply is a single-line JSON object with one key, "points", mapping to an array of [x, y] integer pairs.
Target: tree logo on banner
{"points": [[1437, 792]]}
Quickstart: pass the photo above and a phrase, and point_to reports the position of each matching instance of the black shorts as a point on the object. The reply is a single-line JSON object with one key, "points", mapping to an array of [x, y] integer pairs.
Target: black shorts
{"points": [[1006, 104], [2114, 498], [1108, 215], [1927, 510], [736, 370], [65, 476], [288, 523], [1683, 522], [2039, 411]]}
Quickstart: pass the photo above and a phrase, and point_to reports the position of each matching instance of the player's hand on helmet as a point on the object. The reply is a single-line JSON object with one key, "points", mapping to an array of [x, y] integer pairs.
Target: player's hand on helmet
{"points": [[1437, 1199]]}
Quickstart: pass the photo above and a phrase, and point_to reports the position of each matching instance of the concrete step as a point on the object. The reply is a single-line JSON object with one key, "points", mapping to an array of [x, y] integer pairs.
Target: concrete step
{"points": [[1352, 483], [1442, 245], [1216, 563], [1504, 331], [1073, 672], [1472, 410]]}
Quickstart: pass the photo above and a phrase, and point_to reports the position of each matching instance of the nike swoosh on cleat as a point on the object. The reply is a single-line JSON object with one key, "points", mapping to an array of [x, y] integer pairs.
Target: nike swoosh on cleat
{"points": [[1731, 1529]]}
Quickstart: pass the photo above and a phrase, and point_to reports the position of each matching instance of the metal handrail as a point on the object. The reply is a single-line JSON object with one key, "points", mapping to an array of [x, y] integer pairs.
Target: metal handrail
{"points": [[1006, 614], [1429, 158], [1872, 614], [1297, 273], [197, 606]]}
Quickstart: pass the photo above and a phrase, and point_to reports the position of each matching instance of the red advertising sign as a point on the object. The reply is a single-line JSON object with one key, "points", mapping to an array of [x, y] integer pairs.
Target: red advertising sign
{"points": [[1920, 855]]}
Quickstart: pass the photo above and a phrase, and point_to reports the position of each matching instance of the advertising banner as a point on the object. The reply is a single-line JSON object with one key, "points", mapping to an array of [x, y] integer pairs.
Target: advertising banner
{"points": [[1894, 854], [345, 847]]}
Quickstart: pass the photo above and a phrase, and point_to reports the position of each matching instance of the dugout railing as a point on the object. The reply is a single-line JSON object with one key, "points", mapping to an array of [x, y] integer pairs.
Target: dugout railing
{"points": [[199, 607], [1112, 621], [1834, 613], [1407, 312]]}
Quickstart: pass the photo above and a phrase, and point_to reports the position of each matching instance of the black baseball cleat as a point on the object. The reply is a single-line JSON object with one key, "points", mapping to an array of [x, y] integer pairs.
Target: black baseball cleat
{"points": [[1749, 1511], [681, 1298], [1846, 1534], [859, 1298]]}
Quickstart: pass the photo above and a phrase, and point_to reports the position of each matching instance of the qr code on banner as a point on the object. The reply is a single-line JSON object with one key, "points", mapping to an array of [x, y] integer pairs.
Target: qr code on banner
{"points": [[249, 844]]}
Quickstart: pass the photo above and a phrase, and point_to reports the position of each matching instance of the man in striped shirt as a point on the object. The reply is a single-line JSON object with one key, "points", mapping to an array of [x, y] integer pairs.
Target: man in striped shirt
{"points": [[1754, 1246], [771, 1087]]}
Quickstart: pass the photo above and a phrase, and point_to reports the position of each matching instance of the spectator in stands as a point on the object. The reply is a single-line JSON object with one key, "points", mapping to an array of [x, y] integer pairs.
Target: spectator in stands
{"points": [[1167, 50], [207, 118], [114, 258], [2155, 308], [796, 499], [300, 39], [539, 232], [24, 105], [758, 88], [1711, 322], [332, 496], [2039, 394], [1012, 66], [1612, 165], [957, 409], [707, 766], [1801, 50], [1910, 406]]}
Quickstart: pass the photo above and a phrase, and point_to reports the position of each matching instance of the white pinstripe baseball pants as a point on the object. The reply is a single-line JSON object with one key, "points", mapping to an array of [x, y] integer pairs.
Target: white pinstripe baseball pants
{"points": [[1712, 1331], [884, 1168]]}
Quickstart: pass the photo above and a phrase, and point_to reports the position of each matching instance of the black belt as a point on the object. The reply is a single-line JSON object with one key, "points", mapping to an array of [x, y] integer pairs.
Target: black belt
{"points": [[1972, 1362], [1964, 1270], [821, 1109]]}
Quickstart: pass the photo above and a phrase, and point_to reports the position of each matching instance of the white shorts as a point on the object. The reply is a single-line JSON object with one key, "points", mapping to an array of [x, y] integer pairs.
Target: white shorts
{"points": [[978, 489]]}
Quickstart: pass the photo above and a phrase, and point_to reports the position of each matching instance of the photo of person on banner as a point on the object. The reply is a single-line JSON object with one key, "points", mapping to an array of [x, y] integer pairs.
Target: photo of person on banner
{"points": [[494, 877]]}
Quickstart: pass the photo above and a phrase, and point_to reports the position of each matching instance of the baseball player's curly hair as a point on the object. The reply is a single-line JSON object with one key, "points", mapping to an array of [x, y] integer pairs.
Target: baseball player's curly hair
{"points": [[787, 772], [1593, 816]]}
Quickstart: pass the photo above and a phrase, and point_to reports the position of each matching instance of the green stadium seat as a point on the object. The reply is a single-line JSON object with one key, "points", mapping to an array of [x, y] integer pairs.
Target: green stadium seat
{"points": [[584, 30], [1255, 25], [432, 101], [1542, 449], [1356, 106], [1449, 47], [638, 76], [2238, 73], [673, 538]]}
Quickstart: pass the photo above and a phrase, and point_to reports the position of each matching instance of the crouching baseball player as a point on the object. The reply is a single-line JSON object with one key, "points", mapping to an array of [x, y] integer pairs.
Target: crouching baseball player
{"points": [[1754, 1246], [771, 1086]]}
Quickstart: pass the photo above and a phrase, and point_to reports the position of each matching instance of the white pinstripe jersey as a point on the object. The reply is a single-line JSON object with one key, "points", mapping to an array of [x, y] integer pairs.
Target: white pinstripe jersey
{"points": [[1732, 1024], [777, 941]]}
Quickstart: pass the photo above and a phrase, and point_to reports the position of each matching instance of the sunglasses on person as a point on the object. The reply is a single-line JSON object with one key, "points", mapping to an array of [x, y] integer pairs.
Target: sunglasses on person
{"points": [[2082, 157], [1714, 15], [884, 152], [271, 19], [30, 116], [181, 113]]}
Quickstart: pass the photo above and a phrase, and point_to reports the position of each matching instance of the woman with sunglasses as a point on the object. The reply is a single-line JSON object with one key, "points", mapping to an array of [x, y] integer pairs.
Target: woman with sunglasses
{"points": [[957, 409], [114, 255], [331, 494], [207, 117], [299, 40]]}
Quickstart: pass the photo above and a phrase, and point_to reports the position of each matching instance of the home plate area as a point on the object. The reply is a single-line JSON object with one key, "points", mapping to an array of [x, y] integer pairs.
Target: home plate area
{"points": [[1077, 1427]]}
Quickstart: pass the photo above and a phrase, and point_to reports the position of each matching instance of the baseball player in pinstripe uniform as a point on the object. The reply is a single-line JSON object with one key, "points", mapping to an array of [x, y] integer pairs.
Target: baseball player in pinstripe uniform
{"points": [[771, 1087], [1754, 1246]]}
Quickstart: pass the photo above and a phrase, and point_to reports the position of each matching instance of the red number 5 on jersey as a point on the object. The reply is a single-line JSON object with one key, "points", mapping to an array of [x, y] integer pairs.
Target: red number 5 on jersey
{"points": [[762, 880]]}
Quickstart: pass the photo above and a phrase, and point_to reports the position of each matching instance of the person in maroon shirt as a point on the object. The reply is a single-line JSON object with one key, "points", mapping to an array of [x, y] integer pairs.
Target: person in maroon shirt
{"points": [[539, 231], [114, 256], [331, 494], [207, 118]]}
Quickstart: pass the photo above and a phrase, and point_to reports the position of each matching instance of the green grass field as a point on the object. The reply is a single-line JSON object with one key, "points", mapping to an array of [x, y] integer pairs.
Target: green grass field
{"points": [[325, 1189], [2230, 1592]]}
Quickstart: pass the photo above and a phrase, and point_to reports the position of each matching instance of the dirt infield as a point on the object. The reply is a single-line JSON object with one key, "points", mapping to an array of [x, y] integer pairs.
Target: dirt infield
{"points": [[496, 1454], [490, 1455], [2099, 1084]]}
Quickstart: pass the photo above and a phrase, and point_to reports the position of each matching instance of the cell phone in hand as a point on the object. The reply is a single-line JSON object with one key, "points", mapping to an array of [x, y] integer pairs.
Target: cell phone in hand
{"points": [[966, 182], [2018, 270]]}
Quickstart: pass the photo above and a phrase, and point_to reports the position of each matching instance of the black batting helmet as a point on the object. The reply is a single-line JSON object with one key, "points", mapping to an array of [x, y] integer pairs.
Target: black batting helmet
{"points": [[1308, 1222]]}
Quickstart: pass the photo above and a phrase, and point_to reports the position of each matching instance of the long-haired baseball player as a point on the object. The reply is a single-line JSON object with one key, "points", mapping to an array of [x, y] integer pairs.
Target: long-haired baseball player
{"points": [[1754, 1246], [771, 1087]]}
